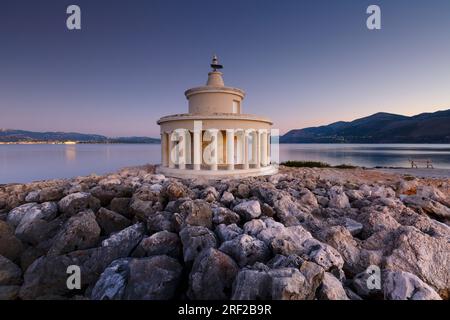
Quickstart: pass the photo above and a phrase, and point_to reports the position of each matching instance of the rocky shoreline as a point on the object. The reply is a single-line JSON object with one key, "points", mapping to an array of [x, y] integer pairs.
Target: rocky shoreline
{"points": [[299, 234]]}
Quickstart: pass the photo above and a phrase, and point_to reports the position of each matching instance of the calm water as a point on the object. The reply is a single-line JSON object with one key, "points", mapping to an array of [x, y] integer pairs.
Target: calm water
{"points": [[25, 163]]}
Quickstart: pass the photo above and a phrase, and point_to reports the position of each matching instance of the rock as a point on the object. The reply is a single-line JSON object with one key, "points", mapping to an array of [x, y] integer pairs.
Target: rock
{"points": [[338, 198], [81, 231], [154, 178], [423, 256], [254, 227], [127, 239], [331, 288], [287, 241], [195, 239], [153, 278], [289, 284], [110, 221], [248, 210], [365, 286], [227, 198], [47, 275], [10, 246], [51, 194], [313, 274], [228, 232], [30, 255], [112, 282], [212, 276], [210, 194], [246, 250], [277, 284], [162, 221], [280, 261], [142, 209], [16, 215], [37, 224], [10, 274], [198, 213], [77, 202], [224, 216], [324, 255], [429, 205], [160, 243], [353, 226], [33, 196], [252, 285], [400, 285], [9, 292], [340, 239], [121, 206], [243, 191], [288, 211], [173, 191]]}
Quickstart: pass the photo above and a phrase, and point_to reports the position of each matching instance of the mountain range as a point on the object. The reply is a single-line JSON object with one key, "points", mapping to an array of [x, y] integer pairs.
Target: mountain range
{"points": [[378, 128], [21, 136]]}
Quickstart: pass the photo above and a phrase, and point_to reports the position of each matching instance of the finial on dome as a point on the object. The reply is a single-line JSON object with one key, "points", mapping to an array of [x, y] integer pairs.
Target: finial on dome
{"points": [[215, 63]]}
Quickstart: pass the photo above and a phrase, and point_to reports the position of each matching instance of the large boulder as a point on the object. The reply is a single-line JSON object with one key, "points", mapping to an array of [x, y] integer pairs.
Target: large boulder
{"points": [[77, 202], [127, 239], [153, 278], [248, 210], [10, 246], [81, 231], [195, 239], [121, 206], [400, 285], [212, 276], [224, 216], [160, 243], [276, 284], [227, 232], [331, 288], [173, 190], [47, 276], [246, 250], [112, 282], [198, 213], [422, 255], [10, 274], [110, 221], [36, 224], [338, 198]]}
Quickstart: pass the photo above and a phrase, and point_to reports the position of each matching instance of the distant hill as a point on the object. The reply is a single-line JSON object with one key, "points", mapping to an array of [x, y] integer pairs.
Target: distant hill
{"points": [[19, 136], [379, 128]]}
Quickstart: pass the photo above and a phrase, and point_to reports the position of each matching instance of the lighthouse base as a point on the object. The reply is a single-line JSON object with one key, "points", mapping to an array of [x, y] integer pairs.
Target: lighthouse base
{"points": [[216, 174]]}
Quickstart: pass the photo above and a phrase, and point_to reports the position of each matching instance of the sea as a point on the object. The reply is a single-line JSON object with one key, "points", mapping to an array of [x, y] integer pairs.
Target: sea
{"points": [[33, 162]]}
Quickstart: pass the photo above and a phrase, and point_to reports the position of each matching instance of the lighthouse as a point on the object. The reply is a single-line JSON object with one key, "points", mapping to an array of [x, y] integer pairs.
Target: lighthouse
{"points": [[215, 139]]}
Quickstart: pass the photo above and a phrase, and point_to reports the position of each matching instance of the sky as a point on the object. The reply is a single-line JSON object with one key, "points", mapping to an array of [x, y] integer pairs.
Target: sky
{"points": [[301, 63]]}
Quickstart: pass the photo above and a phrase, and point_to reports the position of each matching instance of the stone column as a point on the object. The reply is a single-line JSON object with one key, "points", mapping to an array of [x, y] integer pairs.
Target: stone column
{"points": [[214, 149], [269, 146], [181, 150], [246, 164], [164, 147], [256, 148], [172, 152], [230, 149], [264, 148], [197, 149]]}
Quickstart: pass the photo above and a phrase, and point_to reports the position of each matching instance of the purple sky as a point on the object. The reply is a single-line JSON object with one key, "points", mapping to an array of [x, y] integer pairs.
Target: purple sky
{"points": [[302, 63]]}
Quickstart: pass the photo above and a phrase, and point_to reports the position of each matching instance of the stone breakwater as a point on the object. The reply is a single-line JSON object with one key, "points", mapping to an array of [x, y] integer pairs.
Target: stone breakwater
{"points": [[300, 234]]}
